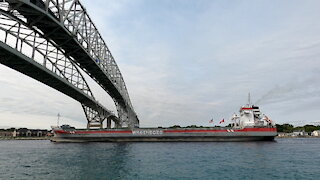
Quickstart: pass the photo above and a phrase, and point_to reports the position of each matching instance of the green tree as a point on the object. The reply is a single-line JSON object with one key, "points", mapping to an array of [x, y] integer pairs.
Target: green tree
{"points": [[192, 126], [175, 126], [310, 128], [287, 128]]}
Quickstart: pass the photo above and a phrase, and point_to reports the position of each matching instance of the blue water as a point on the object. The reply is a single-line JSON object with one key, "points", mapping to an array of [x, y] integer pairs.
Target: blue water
{"points": [[296, 158]]}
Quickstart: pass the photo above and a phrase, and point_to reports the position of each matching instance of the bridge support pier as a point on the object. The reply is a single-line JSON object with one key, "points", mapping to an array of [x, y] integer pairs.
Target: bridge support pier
{"points": [[127, 117], [108, 123], [95, 118]]}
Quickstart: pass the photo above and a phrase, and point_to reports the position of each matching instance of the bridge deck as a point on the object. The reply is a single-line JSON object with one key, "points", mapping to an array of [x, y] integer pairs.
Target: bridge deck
{"points": [[63, 38], [19, 62]]}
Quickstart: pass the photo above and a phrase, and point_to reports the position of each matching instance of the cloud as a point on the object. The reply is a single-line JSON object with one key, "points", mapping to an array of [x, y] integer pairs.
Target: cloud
{"points": [[8, 119], [185, 62], [185, 65], [292, 91], [22, 95]]}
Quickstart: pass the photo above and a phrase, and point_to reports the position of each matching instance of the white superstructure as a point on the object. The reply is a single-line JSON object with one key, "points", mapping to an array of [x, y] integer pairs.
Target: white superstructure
{"points": [[250, 116]]}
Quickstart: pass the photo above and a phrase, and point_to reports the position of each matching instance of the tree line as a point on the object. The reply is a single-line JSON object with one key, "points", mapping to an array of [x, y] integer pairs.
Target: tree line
{"points": [[289, 128]]}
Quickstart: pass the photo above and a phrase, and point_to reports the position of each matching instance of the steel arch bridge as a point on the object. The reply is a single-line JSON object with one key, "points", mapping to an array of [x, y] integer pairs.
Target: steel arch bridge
{"points": [[50, 40]]}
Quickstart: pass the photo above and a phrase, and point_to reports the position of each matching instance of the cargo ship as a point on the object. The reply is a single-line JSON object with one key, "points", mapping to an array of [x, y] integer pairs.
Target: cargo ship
{"points": [[248, 125]]}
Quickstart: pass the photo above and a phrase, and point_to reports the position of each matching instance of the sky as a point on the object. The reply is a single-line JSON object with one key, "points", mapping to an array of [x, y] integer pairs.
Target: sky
{"points": [[186, 62]]}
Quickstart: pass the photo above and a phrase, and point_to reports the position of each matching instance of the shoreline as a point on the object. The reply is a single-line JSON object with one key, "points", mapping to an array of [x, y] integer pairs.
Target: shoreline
{"points": [[25, 138], [297, 137]]}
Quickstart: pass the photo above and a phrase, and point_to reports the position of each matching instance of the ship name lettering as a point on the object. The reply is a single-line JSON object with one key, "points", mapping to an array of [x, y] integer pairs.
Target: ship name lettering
{"points": [[147, 132]]}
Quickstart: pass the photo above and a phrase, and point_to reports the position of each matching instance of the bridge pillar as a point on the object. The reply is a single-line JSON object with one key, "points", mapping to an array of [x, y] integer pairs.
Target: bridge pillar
{"points": [[95, 124], [127, 117], [108, 123], [95, 118], [133, 119]]}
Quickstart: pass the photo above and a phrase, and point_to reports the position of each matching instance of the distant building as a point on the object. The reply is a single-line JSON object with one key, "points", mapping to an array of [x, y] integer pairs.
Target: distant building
{"points": [[24, 132], [282, 134], [5, 133], [39, 132], [299, 133], [315, 133]]}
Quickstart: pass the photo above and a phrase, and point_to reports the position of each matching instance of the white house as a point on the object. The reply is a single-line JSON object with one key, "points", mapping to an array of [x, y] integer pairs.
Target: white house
{"points": [[315, 133]]}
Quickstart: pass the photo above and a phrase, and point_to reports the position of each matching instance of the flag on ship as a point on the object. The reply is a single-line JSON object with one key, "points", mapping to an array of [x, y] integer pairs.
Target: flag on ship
{"points": [[222, 121]]}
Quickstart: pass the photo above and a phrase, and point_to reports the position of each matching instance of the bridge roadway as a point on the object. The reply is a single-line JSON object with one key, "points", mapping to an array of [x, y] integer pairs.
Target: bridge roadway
{"points": [[38, 14], [19, 62]]}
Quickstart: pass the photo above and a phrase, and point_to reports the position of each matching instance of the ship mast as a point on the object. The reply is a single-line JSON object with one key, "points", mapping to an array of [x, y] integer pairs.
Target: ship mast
{"points": [[249, 100], [58, 119]]}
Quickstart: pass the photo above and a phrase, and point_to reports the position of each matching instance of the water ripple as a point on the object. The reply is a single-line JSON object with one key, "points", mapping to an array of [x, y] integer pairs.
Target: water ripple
{"points": [[284, 159]]}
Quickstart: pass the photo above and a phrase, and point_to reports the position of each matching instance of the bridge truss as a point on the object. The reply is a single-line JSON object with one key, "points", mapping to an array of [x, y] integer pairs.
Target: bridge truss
{"points": [[50, 40]]}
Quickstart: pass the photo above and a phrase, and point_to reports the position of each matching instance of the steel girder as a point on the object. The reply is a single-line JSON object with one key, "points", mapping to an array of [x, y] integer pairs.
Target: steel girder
{"points": [[26, 50], [68, 24]]}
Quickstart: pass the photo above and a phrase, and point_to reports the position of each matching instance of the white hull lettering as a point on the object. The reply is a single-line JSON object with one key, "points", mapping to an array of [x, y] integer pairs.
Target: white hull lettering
{"points": [[147, 132]]}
